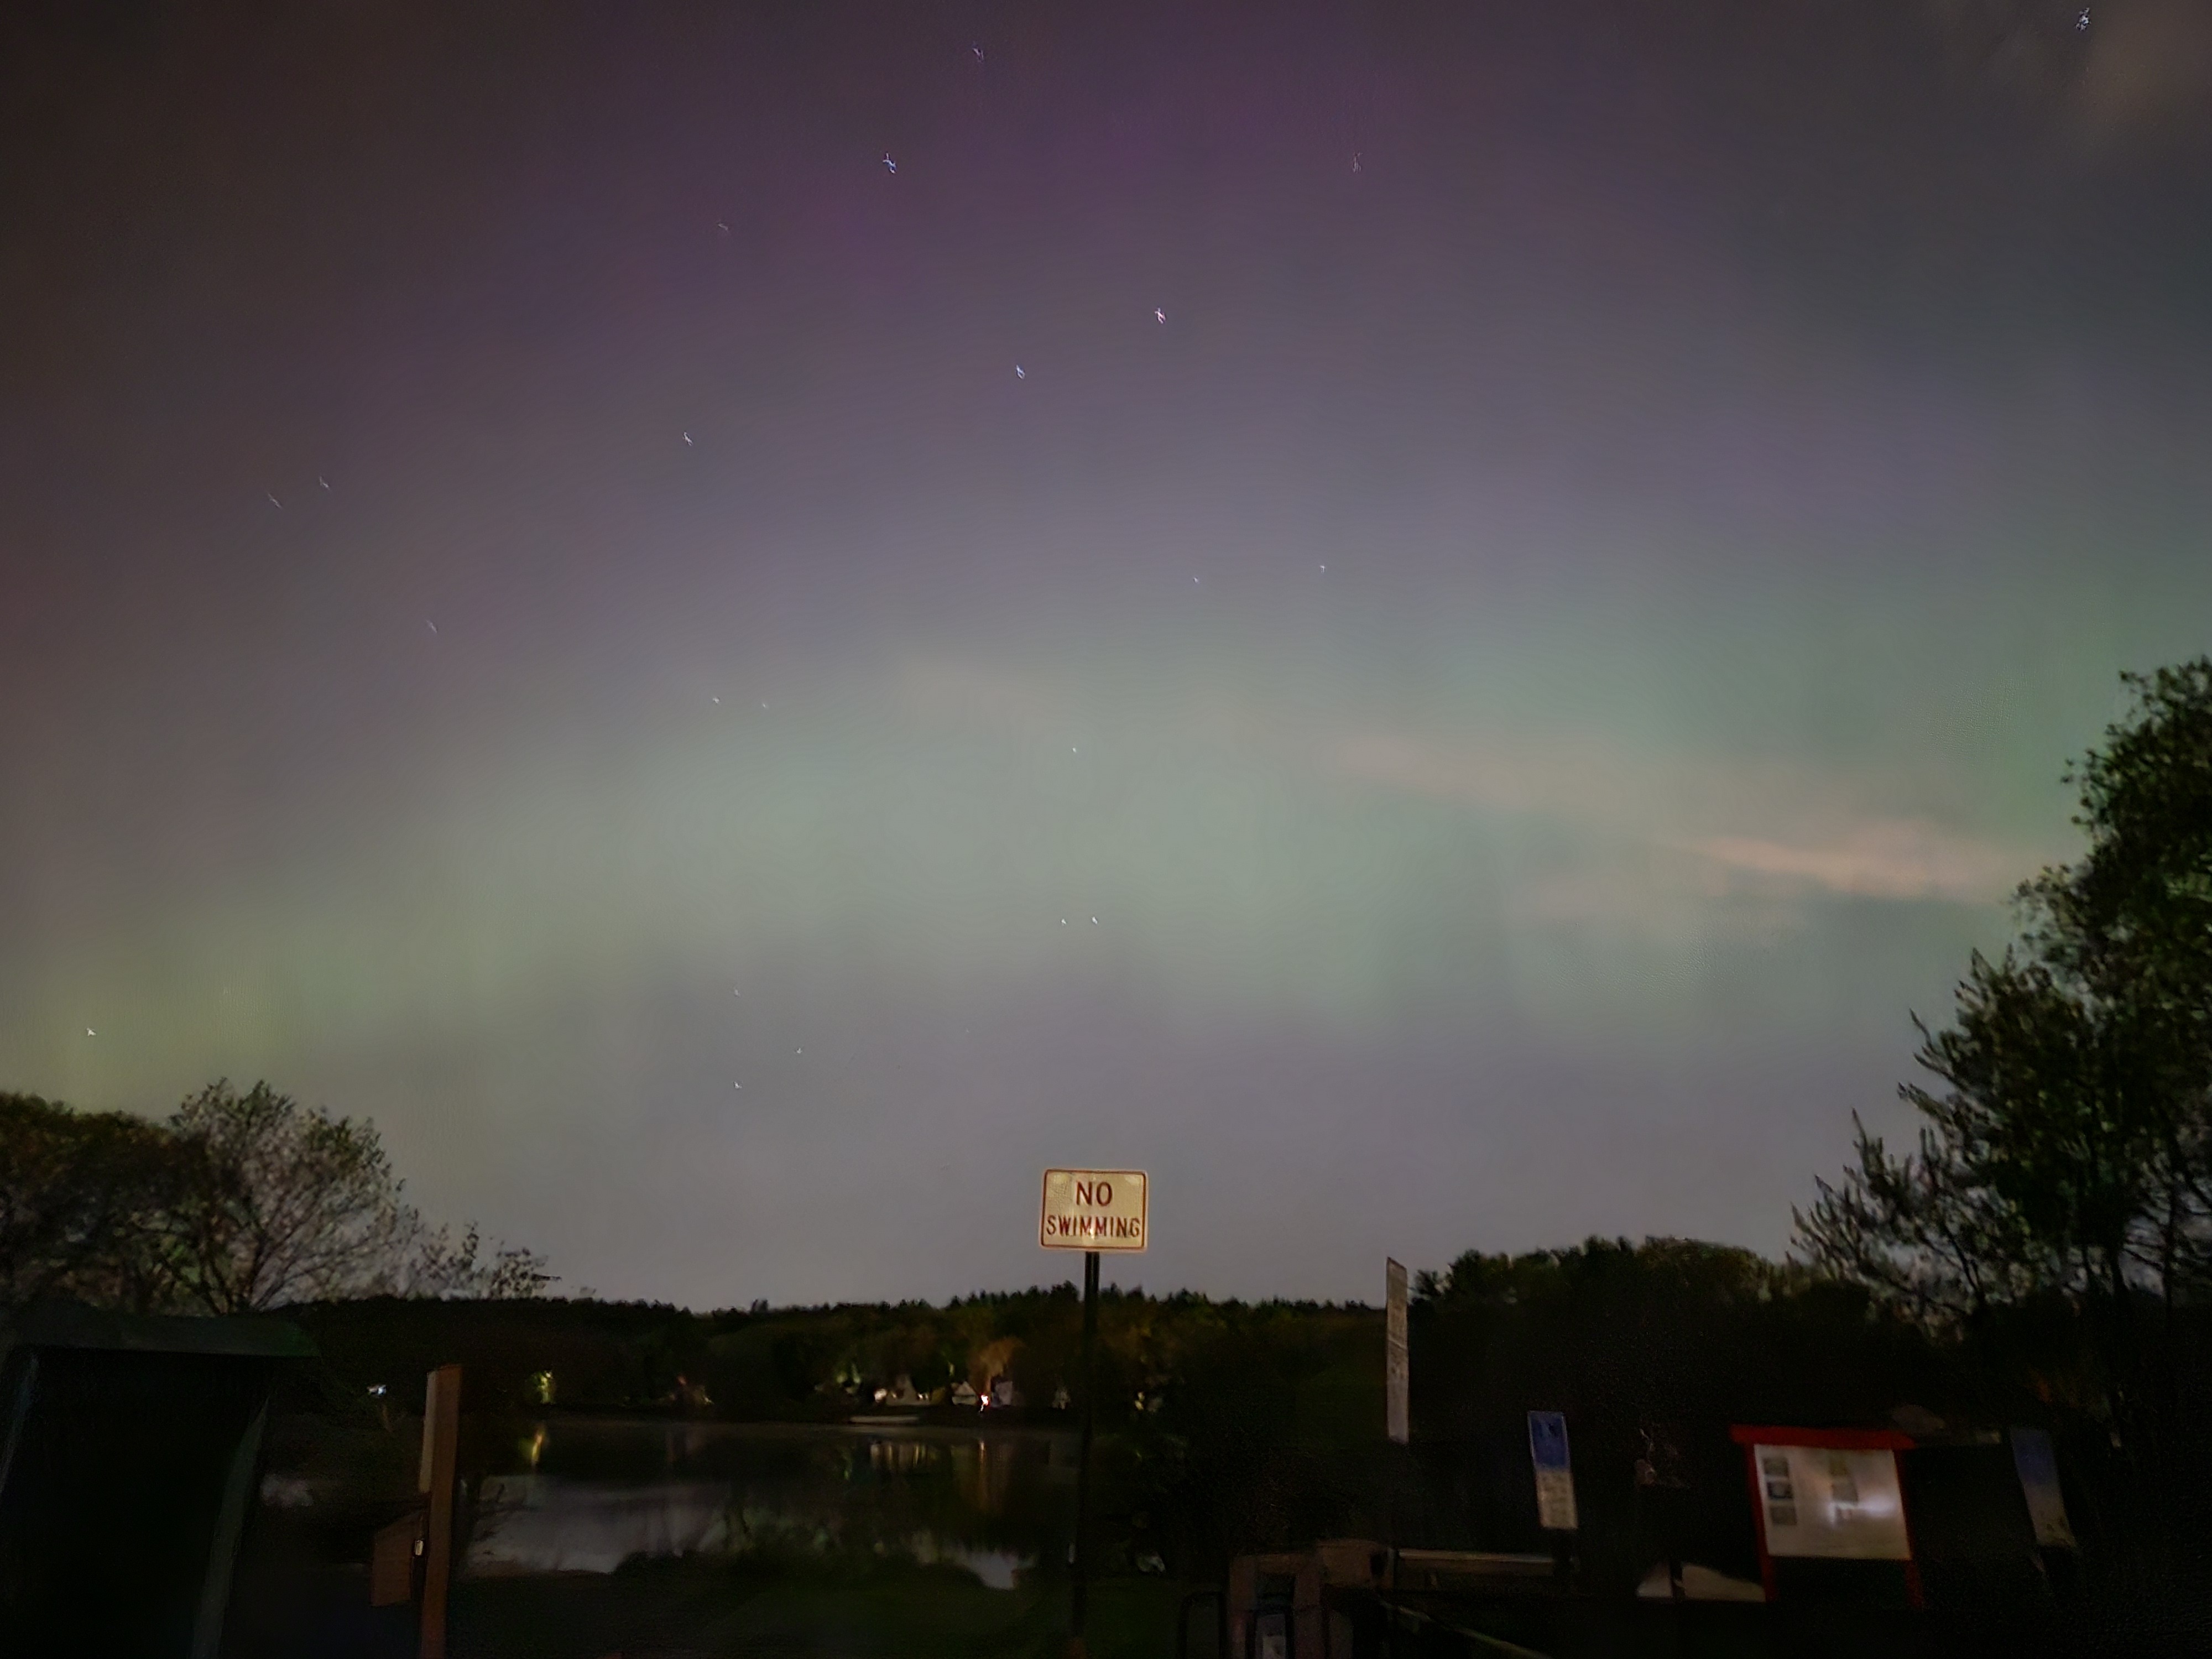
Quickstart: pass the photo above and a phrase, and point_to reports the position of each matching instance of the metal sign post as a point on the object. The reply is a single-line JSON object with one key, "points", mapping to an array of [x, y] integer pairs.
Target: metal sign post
{"points": [[1397, 1370], [1397, 1419], [1078, 1601], [1090, 1211]]}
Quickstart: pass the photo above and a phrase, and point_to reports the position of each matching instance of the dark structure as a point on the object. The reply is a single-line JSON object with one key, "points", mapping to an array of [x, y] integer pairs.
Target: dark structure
{"points": [[130, 1450]]}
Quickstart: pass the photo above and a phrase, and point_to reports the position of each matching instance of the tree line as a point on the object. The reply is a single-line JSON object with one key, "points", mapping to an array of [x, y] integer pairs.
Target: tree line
{"points": [[2040, 1252], [1234, 1425], [239, 1202]]}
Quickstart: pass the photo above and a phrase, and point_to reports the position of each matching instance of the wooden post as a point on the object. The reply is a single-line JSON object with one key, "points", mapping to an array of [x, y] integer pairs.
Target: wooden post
{"points": [[442, 1431]]}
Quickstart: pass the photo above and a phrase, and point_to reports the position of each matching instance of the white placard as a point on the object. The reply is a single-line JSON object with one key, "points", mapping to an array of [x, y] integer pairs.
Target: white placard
{"points": [[1555, 1471], [1397, 1371], [1835, 1505], [1094, 1210], [2037, 1464]]}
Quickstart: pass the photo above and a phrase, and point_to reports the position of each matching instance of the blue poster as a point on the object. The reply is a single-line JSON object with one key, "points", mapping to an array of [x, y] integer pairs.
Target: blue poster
{"points": [[1547, 1439], [1555, 1479]]}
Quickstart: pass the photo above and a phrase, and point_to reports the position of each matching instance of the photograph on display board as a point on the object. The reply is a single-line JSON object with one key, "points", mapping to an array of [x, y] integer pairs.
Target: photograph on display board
{"points": [[1832, 1504]]}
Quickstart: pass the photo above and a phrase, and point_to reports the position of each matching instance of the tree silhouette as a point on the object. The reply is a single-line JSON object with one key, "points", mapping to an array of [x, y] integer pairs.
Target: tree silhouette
{"points": [[2066, 1159]]}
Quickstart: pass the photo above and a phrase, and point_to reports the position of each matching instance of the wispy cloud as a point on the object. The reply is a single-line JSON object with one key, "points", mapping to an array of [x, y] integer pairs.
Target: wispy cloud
{"points": [[1877, 859], [1783, 828], [1714, 827]]}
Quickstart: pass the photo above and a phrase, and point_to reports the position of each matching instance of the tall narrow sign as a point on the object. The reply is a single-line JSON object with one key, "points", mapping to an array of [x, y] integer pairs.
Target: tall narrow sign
{"points": [[2037, 1468], [1397, 1371], [1090, 1211], [1555, 1474]]}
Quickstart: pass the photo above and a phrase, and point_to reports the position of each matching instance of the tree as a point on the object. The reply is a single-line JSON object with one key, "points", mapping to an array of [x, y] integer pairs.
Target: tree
{"points": [[435, 1266], [2131, 926], [81, 1199], [2068, 1154], [2030, 1166], [239, 1203], [286, 1203]]}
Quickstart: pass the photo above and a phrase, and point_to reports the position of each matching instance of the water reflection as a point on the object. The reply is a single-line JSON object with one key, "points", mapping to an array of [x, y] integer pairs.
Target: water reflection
{"points": [[584, 1495], [903, 1456]]}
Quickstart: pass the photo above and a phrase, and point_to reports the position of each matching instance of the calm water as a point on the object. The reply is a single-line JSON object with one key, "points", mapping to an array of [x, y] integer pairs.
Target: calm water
{"points": [[584, 1495]]}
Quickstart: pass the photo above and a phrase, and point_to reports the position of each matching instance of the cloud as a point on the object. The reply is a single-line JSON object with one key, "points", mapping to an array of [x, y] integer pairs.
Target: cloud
{"points": [[1876, 859], [1681, 828], [1793, 828], [2149, 65]]}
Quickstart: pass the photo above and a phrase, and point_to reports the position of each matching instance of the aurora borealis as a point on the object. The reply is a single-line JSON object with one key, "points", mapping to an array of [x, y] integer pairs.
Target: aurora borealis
{"points": [[1458, 701]]}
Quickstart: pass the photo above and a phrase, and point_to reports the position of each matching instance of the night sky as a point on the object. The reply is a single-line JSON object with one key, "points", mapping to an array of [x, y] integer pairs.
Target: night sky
{"points": [[1430, 621]]}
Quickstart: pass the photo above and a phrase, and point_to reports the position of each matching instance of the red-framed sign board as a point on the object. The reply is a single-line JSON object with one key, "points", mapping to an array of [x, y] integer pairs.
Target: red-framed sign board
{"points": [[1827, 1494]]}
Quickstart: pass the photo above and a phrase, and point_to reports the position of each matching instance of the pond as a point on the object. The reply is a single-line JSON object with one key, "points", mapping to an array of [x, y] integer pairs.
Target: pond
{"points": [[586, 1494]]}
